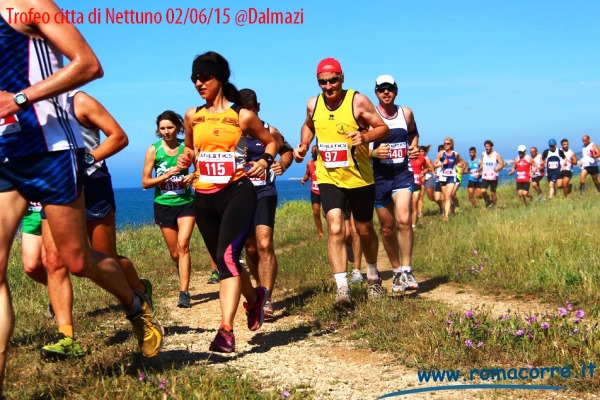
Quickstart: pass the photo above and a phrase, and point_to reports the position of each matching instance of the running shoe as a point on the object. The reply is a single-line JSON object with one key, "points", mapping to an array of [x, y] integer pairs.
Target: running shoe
{"points": [[268, 310], [184, 300], [65, 347], [255, 312], [343, 299], [224, 342], [214, 277], [411, 282], [398, 282], [356, 276], [148, 285], [147, 328], [375, 290]]}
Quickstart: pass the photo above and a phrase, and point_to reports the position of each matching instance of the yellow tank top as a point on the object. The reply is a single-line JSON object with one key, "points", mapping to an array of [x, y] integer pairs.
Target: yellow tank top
{"points": [[339, 163], [219, 146]]}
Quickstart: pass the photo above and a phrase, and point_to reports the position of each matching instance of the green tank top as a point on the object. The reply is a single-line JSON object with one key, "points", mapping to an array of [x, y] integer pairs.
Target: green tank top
{"points": [[172, 192]]}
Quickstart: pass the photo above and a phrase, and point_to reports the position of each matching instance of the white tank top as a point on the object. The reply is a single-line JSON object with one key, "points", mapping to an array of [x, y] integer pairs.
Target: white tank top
{"points": [[490, 162], [588, 159]]}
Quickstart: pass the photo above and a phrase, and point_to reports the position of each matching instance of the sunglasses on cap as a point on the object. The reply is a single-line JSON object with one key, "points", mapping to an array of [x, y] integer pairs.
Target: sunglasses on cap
{"points": [[202, 77], [332, 81], [382, 89]]}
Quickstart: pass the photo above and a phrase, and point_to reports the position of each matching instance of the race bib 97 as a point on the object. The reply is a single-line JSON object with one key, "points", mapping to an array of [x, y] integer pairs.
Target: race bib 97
{"points": [[334, 155]]}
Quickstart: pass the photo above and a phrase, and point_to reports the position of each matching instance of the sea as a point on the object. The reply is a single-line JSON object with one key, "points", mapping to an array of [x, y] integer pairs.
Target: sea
{"points": [[135, 206]]}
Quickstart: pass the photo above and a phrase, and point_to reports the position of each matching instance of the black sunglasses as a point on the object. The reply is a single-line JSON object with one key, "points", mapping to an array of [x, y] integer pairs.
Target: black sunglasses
{"points": [[202, 77], [382, 89], [332, 81]]}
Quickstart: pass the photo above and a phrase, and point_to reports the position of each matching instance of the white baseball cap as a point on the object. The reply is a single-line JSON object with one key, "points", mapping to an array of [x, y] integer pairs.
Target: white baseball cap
{"points": [[384, 79], [522, 148]]}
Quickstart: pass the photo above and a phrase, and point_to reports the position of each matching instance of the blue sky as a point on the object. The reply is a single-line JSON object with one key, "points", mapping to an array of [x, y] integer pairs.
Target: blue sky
{"points": [[515, 72]]}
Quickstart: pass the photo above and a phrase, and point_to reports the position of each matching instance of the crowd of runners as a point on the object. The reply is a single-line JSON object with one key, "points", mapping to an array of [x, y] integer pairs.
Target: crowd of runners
{"points": [[221, 178]]}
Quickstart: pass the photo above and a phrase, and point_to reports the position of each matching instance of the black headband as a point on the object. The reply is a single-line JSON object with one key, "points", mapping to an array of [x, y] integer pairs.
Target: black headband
{"points": [[200, 66]]}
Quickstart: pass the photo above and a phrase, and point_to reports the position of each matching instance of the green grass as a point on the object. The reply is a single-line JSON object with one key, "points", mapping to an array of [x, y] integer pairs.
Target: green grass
{"points": [[547, 250]]}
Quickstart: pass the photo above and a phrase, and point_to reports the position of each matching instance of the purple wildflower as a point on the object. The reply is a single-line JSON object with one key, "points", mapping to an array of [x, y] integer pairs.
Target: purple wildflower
{"points": [[162, 383], [468, 343], [579, 314], [469, 314], [530, 334], [449, 321], [475, 252], [480, 344], [520, 332], [286, 394], [568, 305], [353, 324], [142, 377], [545, 325], [577, 320], [562, 312]]}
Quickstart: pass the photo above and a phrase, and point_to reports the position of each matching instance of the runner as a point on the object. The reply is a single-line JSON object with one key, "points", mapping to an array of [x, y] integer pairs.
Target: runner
{"points": [[552, 159], [100, 209], [491, 164], [420, 168], [394, 184], [225, 199], [474, 171], [447, 160], [174, 209], [315, 195], [429, 182], [589, 164], [523, 166], [566, 168], [343, 167], [260, 252], [538, 174], [32, 111]]}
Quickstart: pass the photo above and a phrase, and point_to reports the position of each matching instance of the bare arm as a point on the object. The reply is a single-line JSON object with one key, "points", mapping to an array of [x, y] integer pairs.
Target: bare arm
{"points": [[147, 180], [500, 162], [91, 113], [83, 67], [186, 159], [413, 133], [306, 176], [252, 125], [365, 113], [285, 152]]}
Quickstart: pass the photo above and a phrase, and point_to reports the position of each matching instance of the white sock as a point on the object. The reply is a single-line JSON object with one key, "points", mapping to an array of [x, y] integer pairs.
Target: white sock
{"points": [[340, 279], [372, 272], [405, 268], [396, 270], [135, 308]]}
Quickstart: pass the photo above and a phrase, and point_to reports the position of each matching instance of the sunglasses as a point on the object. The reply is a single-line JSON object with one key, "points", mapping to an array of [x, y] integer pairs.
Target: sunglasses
{"points": [[202, 77], [384, 88], [332, 81], [447, 144]]}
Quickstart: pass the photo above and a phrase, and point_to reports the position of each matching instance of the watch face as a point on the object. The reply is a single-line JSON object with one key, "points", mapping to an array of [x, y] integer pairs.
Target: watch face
{"points": [[89, 159], [20, 98]]}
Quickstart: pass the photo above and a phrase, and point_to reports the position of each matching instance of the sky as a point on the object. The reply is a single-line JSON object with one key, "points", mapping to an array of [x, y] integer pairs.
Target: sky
{"points": [[514, 72]]}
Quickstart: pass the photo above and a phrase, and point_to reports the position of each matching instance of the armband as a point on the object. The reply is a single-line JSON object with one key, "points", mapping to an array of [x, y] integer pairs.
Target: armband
{"points": [[268, 158], [374, 154]]}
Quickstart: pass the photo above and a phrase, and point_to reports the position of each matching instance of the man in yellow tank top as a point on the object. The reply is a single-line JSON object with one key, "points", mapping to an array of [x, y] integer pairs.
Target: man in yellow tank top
{"points": [[344, 122]]}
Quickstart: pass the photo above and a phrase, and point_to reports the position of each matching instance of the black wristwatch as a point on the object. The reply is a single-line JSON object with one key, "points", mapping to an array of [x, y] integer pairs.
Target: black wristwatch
{"points": [[89, 159], [21, 100]]}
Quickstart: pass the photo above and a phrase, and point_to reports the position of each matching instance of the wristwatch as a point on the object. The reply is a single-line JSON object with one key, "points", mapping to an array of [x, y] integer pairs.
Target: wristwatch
{"points": [[89, 159], [21, 100]]}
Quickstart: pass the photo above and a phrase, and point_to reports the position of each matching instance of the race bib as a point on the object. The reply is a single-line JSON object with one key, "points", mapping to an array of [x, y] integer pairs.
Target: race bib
{"points": [[173, 186], [314, 186], [334, 155], [397, 153], [417, 178], [9, 124], [260, 180], [216, 167], [490, 175], [448, 172], [553, 164], [475, 173], [35, 206], [521, 175]]}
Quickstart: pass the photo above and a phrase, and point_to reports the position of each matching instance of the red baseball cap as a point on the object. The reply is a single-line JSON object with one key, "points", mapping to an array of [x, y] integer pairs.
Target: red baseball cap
{"points": [[329, 65]]}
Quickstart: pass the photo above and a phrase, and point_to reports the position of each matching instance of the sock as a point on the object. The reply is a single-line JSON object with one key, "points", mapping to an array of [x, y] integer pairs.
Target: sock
{"points": [[340, 279], [226, 327], [372, 272], [396, 271], [405, 268], [66, 330], [136, 307]]}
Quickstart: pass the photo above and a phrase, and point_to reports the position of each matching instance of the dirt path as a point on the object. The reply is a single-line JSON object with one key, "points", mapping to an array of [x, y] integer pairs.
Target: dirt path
{"points": [[285, 354]]}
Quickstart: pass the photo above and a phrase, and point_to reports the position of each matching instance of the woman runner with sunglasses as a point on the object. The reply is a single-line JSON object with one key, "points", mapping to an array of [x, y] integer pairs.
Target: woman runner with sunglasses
{"points": [[215, 139]]}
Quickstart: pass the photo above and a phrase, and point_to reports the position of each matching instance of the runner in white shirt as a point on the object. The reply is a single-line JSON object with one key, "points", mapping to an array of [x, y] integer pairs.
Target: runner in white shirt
{"points": [[589, 165], [491, 163], [566, 170]]}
